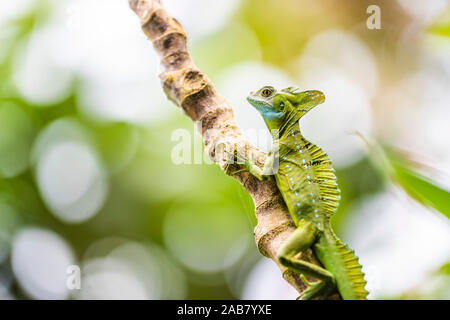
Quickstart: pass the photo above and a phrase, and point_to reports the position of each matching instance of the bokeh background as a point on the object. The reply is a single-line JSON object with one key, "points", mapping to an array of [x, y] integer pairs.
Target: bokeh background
{"points": [[87, 176]]}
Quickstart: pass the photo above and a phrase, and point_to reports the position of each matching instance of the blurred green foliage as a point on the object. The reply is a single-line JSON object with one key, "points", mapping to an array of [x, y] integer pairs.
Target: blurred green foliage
{"points": [[149, 197], [396, 167], [434, 287], [442, 25]]}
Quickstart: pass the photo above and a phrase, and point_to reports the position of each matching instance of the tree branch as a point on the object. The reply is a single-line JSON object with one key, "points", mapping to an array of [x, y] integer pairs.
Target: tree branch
{"points": [[190, 89]]}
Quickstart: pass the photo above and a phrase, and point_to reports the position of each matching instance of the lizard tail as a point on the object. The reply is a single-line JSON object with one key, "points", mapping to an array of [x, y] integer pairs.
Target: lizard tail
{"points": [[345, 266], [356, 288], [354, 272]]}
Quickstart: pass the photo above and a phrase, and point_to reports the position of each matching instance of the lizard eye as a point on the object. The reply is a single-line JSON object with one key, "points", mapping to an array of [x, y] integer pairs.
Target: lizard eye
{"points": [[266, 92]]}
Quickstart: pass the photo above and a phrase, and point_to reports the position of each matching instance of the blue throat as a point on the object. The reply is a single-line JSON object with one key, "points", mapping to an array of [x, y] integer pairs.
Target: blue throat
{"points": [[267, 112]]}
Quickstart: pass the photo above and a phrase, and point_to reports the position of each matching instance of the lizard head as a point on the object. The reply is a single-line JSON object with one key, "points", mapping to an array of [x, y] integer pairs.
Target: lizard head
{"points": [[263, 101], [276, 107]]}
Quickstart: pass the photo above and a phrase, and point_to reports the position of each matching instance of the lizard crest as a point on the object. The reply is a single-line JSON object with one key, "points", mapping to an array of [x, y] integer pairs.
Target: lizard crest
{"points": [[281, 108]]}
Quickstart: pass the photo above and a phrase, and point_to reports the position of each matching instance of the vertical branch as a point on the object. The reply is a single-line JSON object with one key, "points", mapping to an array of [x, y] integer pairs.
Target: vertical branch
{"points": [[190, 89]]}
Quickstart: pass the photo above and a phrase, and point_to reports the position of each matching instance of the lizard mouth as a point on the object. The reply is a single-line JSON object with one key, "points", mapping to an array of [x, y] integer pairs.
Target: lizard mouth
{"points": [[257, 103], [264, 108]]}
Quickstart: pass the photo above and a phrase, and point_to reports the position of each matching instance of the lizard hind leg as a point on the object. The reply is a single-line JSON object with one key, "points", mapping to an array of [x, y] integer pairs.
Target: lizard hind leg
{"points": [[302, 239]]}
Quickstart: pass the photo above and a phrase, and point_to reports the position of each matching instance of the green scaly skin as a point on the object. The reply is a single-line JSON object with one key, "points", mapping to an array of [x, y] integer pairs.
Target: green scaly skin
{"points": [[308, 185]]}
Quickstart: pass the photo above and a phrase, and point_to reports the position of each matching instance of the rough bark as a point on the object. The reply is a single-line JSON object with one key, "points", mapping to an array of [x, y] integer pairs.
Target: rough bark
{"points": [[190, 89]]}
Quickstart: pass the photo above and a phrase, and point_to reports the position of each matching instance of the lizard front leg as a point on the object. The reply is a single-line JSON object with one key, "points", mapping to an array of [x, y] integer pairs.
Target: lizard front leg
{"points": [[270, 163], [303, 238]]}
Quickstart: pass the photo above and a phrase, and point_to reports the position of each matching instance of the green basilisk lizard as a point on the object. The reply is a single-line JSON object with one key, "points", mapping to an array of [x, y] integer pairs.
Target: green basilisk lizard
{"points": [[307, 182]]}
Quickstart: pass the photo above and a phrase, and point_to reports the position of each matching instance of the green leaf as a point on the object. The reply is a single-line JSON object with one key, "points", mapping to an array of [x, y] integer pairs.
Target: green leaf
{"points": [[396, 167], [423, 190]]}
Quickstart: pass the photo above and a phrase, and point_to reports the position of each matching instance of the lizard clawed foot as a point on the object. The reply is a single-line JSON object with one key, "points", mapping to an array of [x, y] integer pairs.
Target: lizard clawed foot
{"points": [[305, 281], [239, 159], [314, 290]]}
